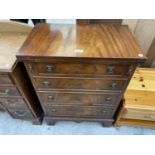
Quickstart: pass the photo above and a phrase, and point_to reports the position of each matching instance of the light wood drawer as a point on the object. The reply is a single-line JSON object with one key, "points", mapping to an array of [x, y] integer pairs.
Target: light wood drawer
{"points": [[80, 111], [78, 98], [8, 91], [80, 83], [141, 114], [70, 69]]}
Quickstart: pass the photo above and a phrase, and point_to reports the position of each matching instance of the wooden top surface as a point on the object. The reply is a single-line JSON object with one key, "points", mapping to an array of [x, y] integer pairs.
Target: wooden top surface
{"points": [[86, 41], [141, 89], [12, 36]]}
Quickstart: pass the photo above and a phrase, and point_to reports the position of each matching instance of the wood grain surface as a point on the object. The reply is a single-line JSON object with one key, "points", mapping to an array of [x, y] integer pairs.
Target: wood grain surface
{"points": [[72, 83], [80, 111], [79, 69], [73, 60], [78, 98], [86, 41], [139, 106]]}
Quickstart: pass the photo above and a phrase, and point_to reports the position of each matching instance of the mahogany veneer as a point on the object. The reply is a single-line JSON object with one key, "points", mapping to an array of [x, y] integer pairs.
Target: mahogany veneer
{"points": [[80, 72]]}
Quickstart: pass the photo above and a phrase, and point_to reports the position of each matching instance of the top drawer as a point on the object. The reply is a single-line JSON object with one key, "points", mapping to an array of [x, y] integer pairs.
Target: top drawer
{"points": [[5, 80], [71, 69]]}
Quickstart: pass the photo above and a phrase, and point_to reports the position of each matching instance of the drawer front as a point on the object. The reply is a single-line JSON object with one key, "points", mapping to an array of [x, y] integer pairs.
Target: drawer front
{"points": [[79, 84], [140, 114], [80, 111], [77, 69], [21, 114], [13, 103], [5, 80], [8, 91], [78, 98]]}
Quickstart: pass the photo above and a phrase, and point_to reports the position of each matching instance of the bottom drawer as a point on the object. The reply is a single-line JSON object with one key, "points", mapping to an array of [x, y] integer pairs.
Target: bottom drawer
{"points": [[21, 114], [13, 103], [80, 111], [141, 114]]}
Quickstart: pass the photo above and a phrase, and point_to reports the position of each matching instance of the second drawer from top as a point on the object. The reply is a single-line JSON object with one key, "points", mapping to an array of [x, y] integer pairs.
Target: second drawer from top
{"points": [[78, 98], [73, 83]]}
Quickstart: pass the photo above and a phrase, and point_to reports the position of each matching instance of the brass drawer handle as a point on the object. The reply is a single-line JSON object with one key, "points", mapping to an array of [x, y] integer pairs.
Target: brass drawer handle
{"points": [[46, 83], [113, 85], [108, 99], [110, 69], [6, 92], [20, 113], [53, 110], [50, 98], [49, 68]]}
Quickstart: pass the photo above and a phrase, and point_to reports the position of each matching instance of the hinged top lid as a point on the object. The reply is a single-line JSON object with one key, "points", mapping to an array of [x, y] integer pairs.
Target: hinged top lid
{"points": [[82, 41]]}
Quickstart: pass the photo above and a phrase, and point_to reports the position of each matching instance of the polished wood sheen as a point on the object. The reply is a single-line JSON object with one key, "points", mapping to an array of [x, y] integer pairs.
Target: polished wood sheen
{"points": [[80, 72], [77, 41]]}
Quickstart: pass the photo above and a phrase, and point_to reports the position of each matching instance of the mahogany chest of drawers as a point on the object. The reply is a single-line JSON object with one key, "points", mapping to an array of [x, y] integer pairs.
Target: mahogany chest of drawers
{"points": [[17, 95], [80, 72]]}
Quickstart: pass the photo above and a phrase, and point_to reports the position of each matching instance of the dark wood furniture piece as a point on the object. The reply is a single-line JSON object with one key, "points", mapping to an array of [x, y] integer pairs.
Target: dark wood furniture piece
{"points": [[80, 72], [99, 21], [17, 95]]}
